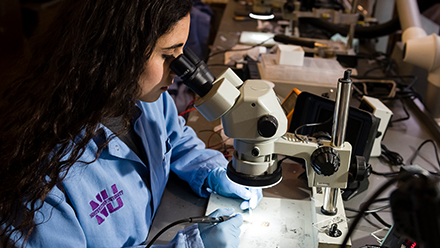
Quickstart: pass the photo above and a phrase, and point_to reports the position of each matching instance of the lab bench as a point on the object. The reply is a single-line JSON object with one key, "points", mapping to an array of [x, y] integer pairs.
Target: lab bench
{"points": [[404, 137]]}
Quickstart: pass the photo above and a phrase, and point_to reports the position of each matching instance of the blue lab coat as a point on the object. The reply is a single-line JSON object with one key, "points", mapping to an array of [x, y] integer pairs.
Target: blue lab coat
{"points": [[111, 201]]}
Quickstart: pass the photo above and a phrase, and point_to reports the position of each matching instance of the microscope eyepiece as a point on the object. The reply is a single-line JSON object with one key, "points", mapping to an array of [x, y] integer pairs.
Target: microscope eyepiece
{"points": [[182, 66], [193, 72]]}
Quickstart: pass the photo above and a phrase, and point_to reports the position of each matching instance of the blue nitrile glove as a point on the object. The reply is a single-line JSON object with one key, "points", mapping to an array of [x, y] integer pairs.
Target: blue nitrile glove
{"points": [[223, 234], [219, 183]]}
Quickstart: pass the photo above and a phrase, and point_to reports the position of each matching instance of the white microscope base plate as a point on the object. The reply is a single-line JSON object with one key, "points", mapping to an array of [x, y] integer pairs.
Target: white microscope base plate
{"points": [[322, 222], [282, 223]]}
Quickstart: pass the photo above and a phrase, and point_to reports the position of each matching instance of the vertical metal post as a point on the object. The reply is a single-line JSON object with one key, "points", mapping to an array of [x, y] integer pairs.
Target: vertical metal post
{"points": [[342, 105], [329, 201], [340, 117], [350, 35]]}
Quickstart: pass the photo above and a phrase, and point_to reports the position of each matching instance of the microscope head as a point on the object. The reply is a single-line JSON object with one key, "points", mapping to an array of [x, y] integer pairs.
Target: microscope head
{"points": [[251, 115], [193, 72]]}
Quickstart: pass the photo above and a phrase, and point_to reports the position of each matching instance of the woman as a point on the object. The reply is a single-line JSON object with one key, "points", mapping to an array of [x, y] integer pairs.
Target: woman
{"points": [[89, 134]]}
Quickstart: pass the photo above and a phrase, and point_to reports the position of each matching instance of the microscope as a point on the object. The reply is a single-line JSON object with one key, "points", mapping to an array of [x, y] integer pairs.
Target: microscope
{"points": [[253, 117]]}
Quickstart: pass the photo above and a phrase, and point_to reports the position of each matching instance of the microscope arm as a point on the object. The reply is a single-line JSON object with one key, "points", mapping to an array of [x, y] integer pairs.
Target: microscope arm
{"points": [[320, 169], [421, 50]]}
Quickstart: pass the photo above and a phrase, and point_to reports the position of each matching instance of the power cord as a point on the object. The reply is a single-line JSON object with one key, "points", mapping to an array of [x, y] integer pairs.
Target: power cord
{"points": [[201, 219], [420, 147], [309, 125], [373, 212], [393, 158], [368, 203]]}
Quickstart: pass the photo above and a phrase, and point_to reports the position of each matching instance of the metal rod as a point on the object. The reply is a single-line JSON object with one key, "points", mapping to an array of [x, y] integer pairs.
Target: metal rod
{"points": [[340, 117], [329, 201], [342, 105]]}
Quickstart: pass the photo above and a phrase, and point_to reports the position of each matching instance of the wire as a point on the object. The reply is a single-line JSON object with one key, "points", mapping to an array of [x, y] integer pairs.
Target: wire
{"points": [[372, 223], [373, 212], [222, 143], [310, 125], [385, 174], [393, 158], [378, 218], [370, 201], [404, 109], [164, 230], [201, 219], [187, 111], [382, 199], [369, 211], [420, 147]]}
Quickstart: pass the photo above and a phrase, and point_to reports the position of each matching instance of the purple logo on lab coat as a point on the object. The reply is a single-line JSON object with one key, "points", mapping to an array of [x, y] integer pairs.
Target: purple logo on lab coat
{"points": [[104, 204]]}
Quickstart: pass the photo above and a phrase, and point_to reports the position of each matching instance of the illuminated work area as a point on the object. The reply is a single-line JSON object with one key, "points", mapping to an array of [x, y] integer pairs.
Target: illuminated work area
{"points": [[379, 122], [326, 111]]}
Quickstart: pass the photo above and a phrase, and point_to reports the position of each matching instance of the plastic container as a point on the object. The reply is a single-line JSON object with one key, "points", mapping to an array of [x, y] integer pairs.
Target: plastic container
{"points": [[317, 75]]}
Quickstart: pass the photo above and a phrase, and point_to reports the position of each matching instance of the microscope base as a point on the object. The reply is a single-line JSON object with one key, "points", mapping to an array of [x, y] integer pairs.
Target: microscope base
{"points": [[322, 222]]}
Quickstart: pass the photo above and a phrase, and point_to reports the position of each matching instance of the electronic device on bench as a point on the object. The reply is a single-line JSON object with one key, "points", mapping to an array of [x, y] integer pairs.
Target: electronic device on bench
{"points": [[361, 132]]}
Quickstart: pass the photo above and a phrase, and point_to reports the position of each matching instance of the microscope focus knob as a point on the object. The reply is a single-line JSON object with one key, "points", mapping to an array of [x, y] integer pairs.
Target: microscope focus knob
{"points": [[325, 161], [267, 126]]}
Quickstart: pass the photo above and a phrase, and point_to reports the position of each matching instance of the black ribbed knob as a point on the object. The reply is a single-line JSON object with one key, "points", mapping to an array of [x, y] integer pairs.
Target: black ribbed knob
{"points": [[267, 126], [325, 161]]}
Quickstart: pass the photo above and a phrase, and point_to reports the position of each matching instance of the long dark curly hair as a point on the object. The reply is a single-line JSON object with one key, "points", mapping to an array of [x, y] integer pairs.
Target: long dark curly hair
{"points": [[85, 69]]}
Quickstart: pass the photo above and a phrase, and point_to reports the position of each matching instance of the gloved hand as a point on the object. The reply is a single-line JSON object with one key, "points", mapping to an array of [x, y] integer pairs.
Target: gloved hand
{"points": [[219, 183], [223, 234]]}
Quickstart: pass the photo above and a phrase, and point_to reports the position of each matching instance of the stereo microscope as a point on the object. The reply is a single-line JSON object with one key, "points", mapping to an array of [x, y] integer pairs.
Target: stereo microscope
{"points": [[252, 116]]}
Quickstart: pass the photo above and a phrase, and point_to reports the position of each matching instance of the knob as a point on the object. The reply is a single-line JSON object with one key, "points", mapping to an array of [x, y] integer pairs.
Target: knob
{"points": [[325, 161], [267, 126]]}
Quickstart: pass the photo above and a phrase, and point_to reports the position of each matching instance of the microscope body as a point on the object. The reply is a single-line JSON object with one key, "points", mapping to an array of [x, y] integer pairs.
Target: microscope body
{"points": [[252, 116]]}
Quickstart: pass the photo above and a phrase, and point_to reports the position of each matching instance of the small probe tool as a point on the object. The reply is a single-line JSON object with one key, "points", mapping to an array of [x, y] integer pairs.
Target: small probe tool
{"points": [[201, 219]]}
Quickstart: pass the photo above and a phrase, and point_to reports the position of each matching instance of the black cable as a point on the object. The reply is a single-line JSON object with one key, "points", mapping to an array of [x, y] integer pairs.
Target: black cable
{"points": [[163, 230], [310, 125], [201, 219], [372, 223], [385, 174], [369, 211], [373, 212], [382, 199], [393, 158], [420, 147], [405, 110], [378, 218], [370, 201]]}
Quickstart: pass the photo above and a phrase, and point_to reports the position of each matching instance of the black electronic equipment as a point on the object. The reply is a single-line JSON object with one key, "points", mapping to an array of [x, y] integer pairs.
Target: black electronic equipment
{"points": [[361, 132], [361, 126]]}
